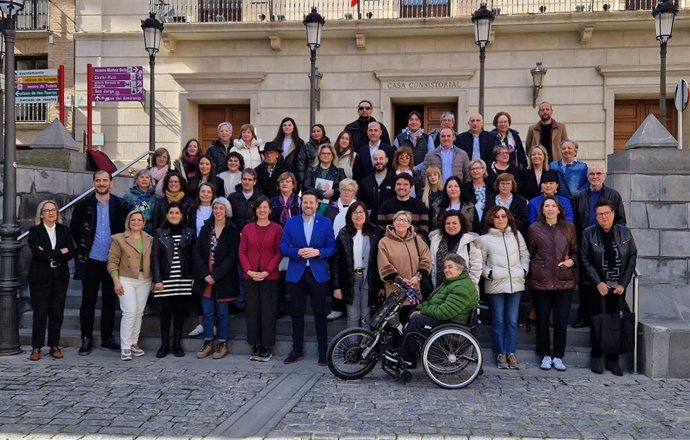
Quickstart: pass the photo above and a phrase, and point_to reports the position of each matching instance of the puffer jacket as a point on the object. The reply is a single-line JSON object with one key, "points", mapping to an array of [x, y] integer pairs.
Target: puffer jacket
{"points": [[453, 300], [506, 261], [548, 246], [250, 153], [400, 256], [468, 248]]}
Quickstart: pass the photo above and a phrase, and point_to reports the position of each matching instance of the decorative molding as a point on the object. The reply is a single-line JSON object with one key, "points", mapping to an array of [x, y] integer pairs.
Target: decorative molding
{"points": [[635, 71], [170, 43], [219, 78], [276, 42], [586, 33], [492, 36], [361, 41], [435, 75]]}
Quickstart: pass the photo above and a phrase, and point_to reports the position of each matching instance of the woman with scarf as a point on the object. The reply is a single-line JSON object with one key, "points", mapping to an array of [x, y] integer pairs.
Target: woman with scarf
{"points": [[160, 165], [414, 137], [188, 161], [510, 138], [141, 197], [175, 190], [249, 146], [307, 154]]}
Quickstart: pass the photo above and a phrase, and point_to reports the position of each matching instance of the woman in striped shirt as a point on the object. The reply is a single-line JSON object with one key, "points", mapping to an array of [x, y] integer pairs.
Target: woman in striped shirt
{"points": [[172, 276]]}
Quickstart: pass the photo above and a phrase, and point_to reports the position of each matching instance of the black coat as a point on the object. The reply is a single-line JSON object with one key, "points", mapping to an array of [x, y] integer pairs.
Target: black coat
{"points": [[581, 206], [269, 184], [83, 227], [41, 259], [592, 254], [519, 157], [225, 261], [162, 254], [518, 207], [162, 208], [334, 174], [277, 208], [487, 142], [342, 264], [218, 153], [363, 165], [374, 195], [242, 208], [358, 132], [528, 186]]}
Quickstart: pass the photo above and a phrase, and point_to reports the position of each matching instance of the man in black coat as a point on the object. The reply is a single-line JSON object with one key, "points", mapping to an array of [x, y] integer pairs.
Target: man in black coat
{"points": [[378, 187], [270, 169], [364, 164], [358, 128], [94, 220], [477, 142]]}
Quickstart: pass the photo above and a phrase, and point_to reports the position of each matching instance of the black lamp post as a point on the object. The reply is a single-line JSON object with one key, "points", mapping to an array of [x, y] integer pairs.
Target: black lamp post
{"points": [[9, 230], [482, 19], [153, 29], [664, 14], [2, 142], [538, 73], [313, 23]]}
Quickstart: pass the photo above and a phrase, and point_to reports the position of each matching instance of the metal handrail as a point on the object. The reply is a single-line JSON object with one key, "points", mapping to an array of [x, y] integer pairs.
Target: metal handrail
{"points": [[90, 190], [636, 316]]}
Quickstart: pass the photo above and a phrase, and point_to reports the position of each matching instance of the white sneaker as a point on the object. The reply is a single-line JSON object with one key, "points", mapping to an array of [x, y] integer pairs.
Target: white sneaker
{"points": [[198, 330], [546, 363], [334, 315], [558, 364]]}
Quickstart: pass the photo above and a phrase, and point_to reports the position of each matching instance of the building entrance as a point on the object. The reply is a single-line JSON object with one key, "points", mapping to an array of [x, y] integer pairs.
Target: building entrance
{"points": [[629, 114], [212, 115], [431, 115]]}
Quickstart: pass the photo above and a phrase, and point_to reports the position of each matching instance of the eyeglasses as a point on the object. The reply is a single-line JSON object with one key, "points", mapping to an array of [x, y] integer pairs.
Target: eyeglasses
{"points": [[49, 211], [604, 214], [364, 108], [347, 190], [596, 174], [401, 220]]}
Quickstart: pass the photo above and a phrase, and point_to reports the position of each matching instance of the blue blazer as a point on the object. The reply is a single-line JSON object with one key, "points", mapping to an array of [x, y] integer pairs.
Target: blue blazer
{"points": [[293, 240]]}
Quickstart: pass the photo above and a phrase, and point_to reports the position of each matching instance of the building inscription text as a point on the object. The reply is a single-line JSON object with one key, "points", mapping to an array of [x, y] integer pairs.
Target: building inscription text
{"points": [[424, 85]]}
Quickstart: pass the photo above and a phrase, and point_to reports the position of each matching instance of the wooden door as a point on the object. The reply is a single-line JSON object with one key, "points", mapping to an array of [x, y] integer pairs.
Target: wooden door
{"points": [[212, 115], [431, 114], [629, 114]]}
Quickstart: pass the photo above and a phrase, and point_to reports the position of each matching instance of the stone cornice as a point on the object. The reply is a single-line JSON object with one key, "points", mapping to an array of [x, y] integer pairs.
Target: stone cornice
{"points": [[219, 78], [623, 71], [406, 75]]}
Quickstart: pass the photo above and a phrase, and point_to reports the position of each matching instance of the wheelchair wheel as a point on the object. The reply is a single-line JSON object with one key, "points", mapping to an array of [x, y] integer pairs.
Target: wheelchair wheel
{"points": [[452, 357], [345, 354]]}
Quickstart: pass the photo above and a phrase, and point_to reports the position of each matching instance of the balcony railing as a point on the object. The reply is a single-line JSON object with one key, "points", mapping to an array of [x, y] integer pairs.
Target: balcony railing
{"points": [[209, 11], [34, 16], [31, 112]]}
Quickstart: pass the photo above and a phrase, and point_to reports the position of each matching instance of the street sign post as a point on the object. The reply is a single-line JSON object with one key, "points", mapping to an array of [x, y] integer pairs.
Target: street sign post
{"points": [[681, 102], [39, 86]]}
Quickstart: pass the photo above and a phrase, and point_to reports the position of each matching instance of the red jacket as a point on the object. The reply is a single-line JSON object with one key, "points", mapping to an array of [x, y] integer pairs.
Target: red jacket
{"points": [[263, 252]]}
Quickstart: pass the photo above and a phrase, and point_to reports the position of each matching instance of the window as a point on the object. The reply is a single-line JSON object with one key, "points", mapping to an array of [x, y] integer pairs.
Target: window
{"points": [[31, 112]]}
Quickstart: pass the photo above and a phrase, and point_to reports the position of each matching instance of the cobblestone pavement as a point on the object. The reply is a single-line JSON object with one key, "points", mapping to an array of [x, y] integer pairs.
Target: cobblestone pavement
{"points": [[100, 397]]}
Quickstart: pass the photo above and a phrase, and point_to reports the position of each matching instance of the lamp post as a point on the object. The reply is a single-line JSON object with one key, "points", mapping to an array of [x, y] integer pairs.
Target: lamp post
{"points": [[2, 142], [9, 230], [153, 29], [664, 15], [538, 73], [313, 23], [482, 19]]}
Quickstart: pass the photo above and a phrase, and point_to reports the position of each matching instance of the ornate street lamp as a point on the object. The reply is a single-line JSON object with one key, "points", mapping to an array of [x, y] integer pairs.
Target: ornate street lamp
{"points": [[153, 29], [664, 15], [314, 24], [538, 73], [9, 230], [482, 19]]}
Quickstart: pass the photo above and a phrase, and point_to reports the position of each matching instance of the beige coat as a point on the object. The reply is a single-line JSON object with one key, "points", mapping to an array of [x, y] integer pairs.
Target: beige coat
{"points": [[125, 257], [399, 256], [558, 134]]}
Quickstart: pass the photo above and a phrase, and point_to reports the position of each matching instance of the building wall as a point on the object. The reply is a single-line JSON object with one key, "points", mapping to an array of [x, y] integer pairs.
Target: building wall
{"points": [[57, 42], [434, 60]]}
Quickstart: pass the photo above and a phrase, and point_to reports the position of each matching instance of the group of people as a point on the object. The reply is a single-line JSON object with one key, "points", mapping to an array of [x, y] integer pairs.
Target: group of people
{"points": [[255, 227]]}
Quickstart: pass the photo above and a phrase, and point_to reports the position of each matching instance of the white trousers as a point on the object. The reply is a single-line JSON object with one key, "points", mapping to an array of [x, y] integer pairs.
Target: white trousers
{"points": [[132, 304]]}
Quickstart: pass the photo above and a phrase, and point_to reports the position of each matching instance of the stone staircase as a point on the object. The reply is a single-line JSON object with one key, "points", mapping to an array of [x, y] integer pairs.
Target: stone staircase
{"points": [[577, 351]]}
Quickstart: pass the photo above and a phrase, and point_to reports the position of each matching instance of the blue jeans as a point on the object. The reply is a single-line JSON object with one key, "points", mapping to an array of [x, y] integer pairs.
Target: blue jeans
{"points": [[221, 311], [239, 301], [504, 321]]}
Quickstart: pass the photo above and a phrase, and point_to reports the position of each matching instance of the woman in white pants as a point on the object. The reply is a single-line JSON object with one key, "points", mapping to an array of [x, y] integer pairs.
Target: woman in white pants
{"points": [[129, 264]]}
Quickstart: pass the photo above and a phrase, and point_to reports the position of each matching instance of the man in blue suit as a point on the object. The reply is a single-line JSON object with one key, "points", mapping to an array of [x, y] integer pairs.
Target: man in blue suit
{"points": [[308, 242]]}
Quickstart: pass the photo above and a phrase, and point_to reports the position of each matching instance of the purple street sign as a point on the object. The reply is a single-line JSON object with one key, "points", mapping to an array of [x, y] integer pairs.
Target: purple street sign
{"points": [[118, 69], [38, 86], [117, 77], [130, 98], [119, 91], [118, 84]]}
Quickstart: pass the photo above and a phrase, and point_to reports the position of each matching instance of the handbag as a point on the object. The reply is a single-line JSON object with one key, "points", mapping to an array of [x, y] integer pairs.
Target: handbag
{"points": [[614, 333]]}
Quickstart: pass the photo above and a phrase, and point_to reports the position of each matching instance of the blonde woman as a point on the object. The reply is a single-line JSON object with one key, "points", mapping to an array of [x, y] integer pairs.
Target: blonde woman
{"points": [[530, 184], [51, 247], [324, 177], [249, 146], [129, 264], [433, 186]]}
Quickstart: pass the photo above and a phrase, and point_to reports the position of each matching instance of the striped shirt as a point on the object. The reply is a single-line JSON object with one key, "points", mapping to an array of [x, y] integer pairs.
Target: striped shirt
{"points": [[176, 285]]}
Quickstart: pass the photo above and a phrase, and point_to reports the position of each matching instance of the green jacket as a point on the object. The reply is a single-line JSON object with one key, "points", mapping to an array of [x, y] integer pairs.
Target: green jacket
{"points": [[453, 300]]}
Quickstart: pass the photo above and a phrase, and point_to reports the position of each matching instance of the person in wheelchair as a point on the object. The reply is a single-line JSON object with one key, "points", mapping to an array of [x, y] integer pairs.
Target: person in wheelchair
{"points": [[452, 301]]}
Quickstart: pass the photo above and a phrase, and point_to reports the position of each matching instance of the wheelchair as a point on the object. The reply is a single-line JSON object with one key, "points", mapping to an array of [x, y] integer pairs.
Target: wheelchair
{"points": [[450, 353]]}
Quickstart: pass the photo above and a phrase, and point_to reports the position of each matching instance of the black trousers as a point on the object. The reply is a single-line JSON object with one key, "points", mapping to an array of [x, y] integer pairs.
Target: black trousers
{"points": [[612, 303], [298, 300], [417, 324], [544, 302], [261, 308], [48, 295], [173, 310], [587, 295], [96, 277]]}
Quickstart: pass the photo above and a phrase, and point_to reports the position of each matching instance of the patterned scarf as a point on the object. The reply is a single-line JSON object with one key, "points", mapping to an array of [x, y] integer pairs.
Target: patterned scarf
{"points": [[174, 197], [191, 165], [286, 204], [158, 175]]}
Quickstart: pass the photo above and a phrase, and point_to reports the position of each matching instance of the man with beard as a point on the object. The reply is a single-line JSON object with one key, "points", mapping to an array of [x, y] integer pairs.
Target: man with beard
{"points": [[404, 202], [94, 220], [270, 169], [364, 163], [546, 132], [378, 187], [358, 128], [477, 142]]}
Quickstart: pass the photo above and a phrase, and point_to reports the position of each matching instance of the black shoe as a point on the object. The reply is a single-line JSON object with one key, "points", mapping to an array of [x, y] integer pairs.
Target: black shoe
{"points": [[322, 359], [235, 311], [85, 348], [265, 354], [163, 351], [110, 343], [293, 357], [614, 367], [595, 365], [177, 349], [580, 323], [256, 352]]}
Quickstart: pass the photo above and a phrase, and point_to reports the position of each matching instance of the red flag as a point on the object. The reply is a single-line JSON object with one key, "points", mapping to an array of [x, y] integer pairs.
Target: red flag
{"points": [[353, 3]]}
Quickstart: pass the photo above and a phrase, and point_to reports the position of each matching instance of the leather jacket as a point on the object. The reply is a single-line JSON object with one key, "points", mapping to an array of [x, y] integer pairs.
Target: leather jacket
{"points": [[592, 254], [163, 249]]}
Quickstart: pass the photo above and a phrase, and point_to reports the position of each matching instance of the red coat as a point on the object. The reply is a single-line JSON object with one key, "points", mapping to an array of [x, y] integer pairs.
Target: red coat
{"points": [[263, 252]]}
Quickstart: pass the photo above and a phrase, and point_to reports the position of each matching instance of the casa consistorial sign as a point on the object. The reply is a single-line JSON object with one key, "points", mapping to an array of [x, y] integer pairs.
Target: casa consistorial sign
{"points": [[404, 80]]}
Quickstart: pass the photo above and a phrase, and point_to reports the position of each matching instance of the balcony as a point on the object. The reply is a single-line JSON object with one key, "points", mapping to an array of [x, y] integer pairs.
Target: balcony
{"points": [[35, 16], [220, 11]]}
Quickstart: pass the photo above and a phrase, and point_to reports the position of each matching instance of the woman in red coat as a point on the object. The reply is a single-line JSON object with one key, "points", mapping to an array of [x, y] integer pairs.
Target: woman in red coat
{"points": [[260, 256]]}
